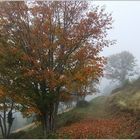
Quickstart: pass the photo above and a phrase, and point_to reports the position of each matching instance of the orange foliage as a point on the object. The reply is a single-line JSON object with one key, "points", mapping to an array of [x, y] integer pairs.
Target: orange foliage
{"points": [[2, 92], [101, 128], [55, 44]]}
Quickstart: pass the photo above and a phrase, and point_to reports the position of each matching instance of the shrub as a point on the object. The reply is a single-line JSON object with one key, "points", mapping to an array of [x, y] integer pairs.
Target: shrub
{"points": [[52, 136], [82, 103], [17, 135], [116, 90], [126, 83]]}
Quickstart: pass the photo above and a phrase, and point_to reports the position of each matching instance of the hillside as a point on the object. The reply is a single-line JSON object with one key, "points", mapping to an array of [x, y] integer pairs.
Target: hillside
{"points": [[126, 99], [113, 116], [95, 109]]}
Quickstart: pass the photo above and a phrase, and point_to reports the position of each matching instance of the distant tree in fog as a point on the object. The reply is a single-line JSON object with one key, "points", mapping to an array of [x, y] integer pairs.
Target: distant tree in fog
{"points": [[120, 66]]}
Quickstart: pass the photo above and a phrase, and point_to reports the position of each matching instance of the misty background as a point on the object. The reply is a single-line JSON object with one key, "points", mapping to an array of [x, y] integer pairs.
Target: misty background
{"points": [[126, 26], [126, 32]]}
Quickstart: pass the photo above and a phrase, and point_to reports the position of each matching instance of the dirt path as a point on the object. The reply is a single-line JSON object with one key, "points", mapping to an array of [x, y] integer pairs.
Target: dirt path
{"points": [[25, 128], [33, 125]]}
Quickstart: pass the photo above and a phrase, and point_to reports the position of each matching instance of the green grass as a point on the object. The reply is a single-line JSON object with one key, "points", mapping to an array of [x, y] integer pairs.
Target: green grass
{"points": [[95, 109], [34, 133]]}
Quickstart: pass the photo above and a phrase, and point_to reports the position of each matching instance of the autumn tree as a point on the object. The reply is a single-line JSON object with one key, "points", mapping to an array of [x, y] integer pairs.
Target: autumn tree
{"points": [[51, 50], [120, 66], [7, 107]]}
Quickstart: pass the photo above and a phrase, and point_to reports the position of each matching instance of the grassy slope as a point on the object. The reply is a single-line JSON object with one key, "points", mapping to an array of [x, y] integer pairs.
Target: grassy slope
{"points": [[125, 99], [96, 109]]}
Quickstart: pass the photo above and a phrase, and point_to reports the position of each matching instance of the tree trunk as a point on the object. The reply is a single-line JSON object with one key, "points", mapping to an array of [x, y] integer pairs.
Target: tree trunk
{"points": [[55, 115], [10, 119], [45, 125], [4, 121], [1, 126], [48, 120], [9, 129]]}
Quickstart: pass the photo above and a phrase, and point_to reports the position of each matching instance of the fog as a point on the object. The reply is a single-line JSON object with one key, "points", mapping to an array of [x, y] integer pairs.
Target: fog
{"points": [[126, 32], [126, 26]]}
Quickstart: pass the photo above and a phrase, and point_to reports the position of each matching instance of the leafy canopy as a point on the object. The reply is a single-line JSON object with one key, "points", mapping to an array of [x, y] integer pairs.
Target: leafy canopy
{"points": [[47, 46]]}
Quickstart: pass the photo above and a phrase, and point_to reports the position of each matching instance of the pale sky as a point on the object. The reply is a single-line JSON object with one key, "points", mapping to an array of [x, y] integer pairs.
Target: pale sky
{"points": [[126, 26]]}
